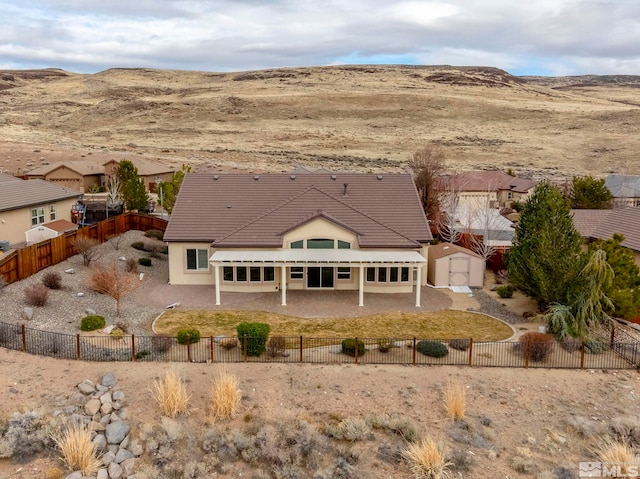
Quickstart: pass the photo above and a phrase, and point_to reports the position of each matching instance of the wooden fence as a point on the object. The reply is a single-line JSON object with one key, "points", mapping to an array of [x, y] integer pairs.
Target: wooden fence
{"points": [[22, 263]]}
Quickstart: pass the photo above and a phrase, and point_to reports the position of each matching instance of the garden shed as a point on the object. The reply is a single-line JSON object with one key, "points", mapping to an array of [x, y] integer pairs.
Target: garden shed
{"points": [[453, 265]]}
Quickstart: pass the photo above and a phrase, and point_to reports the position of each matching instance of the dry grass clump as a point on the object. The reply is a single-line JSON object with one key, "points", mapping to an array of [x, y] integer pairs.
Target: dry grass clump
{"points": [[427, 460], [456, 400], [36, 294], [78, 451], [225, 396], [350, 429], [171, 394], [616, 452]]}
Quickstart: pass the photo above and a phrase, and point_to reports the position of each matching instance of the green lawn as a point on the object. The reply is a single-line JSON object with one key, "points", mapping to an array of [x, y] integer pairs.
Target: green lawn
{"points": [[446, 324]]}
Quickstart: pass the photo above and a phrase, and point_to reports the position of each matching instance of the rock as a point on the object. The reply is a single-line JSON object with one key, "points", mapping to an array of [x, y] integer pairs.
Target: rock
{"points": [[74, 475], [108, 457], [123, 455], [87, 387], [115, 417], [116, 432], [108, 329], [106, 408], [106, 398], [102, 474], [115, 471], [122, 258], [101, 442], [80, 295], [108, 380], [90, 312], [92, 406], [118, 395], [97, 426], [136, 449], [27, 313], [70, 271], [125, 442], [129, 466]]}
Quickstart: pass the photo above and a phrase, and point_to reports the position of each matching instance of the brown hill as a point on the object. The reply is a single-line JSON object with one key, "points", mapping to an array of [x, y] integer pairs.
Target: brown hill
{"points": [[364, 117]]}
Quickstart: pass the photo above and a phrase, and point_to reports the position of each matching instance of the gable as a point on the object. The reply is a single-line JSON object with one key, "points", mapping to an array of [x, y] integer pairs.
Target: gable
{"points": [[320, 227]]}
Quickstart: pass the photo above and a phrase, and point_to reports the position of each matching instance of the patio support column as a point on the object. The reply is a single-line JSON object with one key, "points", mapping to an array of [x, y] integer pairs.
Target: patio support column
{"points": [[216, 272], [283, 284], [361, 288], [418, 285]]}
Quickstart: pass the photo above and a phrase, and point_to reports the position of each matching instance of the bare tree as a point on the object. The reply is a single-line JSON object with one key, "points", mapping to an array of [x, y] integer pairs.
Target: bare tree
{"points": [[427, 164], [86, 248], [447, 219], [114, 194], [115, 282], [485, 224]]}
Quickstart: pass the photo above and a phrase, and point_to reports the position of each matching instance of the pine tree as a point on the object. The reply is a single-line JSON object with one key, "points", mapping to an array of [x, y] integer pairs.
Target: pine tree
{"points": [[132, 187], [590, 193], [170, 189], [545, 258]]}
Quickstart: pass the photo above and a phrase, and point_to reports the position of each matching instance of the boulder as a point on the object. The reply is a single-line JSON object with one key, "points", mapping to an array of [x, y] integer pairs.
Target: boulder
{"points": [[102, 474], [90, 312], [92, 406], [108, 380], [27, 313], [115, 471], [116, 432], [123, 455], [70, 271], [101, 442], [87, 387]]}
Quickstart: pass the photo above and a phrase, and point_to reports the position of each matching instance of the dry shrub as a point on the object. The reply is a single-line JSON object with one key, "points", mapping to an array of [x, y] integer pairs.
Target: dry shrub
{"points": [[626, 429], [132, 265], [112, 281], [78, 451], [616, 452], [171, 394], [36, 294], [456, 400], [225, 396], [523, 461], [161, 344], [54, 473], [228, 343], [86, 248], [427, 460], [536, 346], [276, 346], [52, 280], [350, 429]]}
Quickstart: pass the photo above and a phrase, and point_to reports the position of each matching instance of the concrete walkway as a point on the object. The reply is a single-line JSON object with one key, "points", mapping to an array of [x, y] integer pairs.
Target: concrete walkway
{"points": [[304, 304]]}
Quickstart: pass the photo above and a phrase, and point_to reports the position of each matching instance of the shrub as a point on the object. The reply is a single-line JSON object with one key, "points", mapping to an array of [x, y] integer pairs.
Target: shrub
{"points": [[25, 435], [132, 265], [595, 346], [614, 452], [536, 346], [435, 349], [501, 276], [188, 335], [171, 394], [349, 347], [427, 460], [161, 344], [124, 327], [350, 429], [139, 245], [461, 460], [92, 322], [36, 294], [86, 248], [78, 450], [276, 346], [117, 333], [142, 354], [505, 291], [460, 344], [571, 344], [256, 335], [155, 234], [385, 345], [228, 343], [225, 396], [400, 425], [144, 261], [52, 280], [456, 400]]}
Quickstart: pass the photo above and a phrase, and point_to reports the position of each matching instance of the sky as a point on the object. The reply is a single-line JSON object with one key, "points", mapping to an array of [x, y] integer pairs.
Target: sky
{"points": [[524, 37]]}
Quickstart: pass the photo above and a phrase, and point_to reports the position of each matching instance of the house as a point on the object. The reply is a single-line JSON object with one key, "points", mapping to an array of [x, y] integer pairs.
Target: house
{"points": [[312, 231], [27, 204], [50, 230], [150, 172], [602, 224], [625, 190], [453, 265], [486, 224], [494, 189]]}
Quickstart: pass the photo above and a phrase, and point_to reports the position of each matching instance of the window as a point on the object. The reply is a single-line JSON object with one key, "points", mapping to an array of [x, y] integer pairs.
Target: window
{"points": [[296, 272], [52, 212], [255, 274], [382, 275], [344, 244], [371, 275], [37, 216], [297, 244], [227, 273], [197, 259], [404, 275], [393, 275], [344, 272], [269, 273], [320, 244], [241, 274]]}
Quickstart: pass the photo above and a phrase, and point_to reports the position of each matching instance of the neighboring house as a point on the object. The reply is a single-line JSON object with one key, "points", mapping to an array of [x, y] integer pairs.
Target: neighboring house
{"points": [[602, 224], [150, 172], [486, 224], [494, 189], [453, 265], [49, 230], [27, 204], [279, 232], [624, 189]]}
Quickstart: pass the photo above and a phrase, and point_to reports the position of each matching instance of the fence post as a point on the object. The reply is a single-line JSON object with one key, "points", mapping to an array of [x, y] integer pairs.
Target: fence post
{"points": [[357, 348], [244, 347], [414, 350], [470, 351], [24, 339], [300, 348], [211, 348], [582, 356], [188, 349], [526, 354], [613, 335], [78, 347], [133, 347]]}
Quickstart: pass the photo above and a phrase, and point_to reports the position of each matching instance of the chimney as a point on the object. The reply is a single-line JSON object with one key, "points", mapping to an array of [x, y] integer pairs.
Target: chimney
{"points": [[346, 185]]}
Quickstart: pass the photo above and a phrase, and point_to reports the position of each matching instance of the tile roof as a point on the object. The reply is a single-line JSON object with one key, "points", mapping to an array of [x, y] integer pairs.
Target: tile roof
{"points": [[491, 180], [234, 210], [61, 226], [82, 167], [441, 250], [623, 186], [586, 221], [602, 224], [146, 167], [23, 193]]}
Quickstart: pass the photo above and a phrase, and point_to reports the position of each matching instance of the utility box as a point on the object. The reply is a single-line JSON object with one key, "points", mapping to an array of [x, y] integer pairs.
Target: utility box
{"points": [[4, 246]]}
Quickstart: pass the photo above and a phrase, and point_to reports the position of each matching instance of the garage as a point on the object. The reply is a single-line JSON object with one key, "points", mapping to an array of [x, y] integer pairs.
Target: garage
{"points": [[453, 265]]}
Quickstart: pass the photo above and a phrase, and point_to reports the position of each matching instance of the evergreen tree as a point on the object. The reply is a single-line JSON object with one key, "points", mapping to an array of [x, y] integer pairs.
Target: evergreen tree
{"points": [[132, 188], [590, 193], [170, 189], [545, 258]]}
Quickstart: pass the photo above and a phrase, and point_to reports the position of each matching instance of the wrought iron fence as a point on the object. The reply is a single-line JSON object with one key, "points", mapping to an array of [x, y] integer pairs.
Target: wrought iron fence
{"points": [[621, 351]]}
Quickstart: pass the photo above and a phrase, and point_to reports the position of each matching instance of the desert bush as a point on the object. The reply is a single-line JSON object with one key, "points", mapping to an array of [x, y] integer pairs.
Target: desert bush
{"points": [[536, 346], [117, 333], [615, 452], [188, 335], [225, 396], [228, 343], [115, 241], [142, 354], [123, 326], [427, 460], [461, 460], [584, 426], [390, 452], [52, 280], [256, 335], [154, 248], [276, 346], [385, 345], [160, 443], [86, 248], [53, 473], [501, 276], [78, 450], [460, 344], [36, 294], [92, 323], [435, 349], [349, 347], [523, 461], [571, 344], [505, 291], [155, 234], [144, 261], [131, 265], [595, 346], [139, 245], [462, 432], [350, 429], [171, 395], [400, 425], [25, 435], [626, 429], [161, 344], [456, 400]]}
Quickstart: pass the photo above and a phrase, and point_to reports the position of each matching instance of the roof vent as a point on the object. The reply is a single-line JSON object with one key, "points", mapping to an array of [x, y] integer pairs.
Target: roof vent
{"points": [[215, 177], [256, 177], [346, 185], [380, 177], [333, 177], [228, 206], [293, 177]]}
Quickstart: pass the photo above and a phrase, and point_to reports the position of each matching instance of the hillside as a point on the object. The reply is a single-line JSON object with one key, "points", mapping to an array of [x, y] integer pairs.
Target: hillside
{"points": [[366, 118]]}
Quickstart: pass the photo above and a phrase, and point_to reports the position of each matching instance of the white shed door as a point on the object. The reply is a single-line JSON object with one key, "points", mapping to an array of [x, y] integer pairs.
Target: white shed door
{"points": [[459, 271]]}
